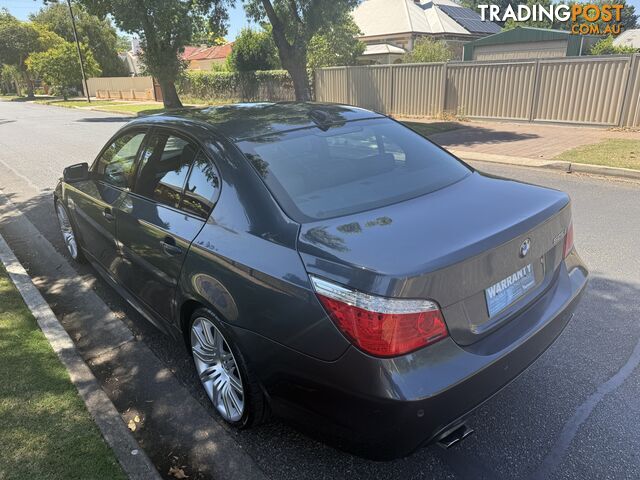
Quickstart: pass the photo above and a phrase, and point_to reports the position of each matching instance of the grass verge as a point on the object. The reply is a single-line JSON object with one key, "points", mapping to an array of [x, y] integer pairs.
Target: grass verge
{"points": [[431, 128], [45, 430], [613, 152], [10, 98], [136, 108]]}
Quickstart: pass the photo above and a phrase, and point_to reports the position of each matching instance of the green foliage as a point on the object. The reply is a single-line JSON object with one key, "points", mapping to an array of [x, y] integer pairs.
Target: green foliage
{"points": [[336, 44], [294, 23], [606, 47], [220, 66], [235, 86], [19, 39], [426, 50], [59, 66], [164, 28], [98, 34], [253, 50], [9, 79], [123, 43]]}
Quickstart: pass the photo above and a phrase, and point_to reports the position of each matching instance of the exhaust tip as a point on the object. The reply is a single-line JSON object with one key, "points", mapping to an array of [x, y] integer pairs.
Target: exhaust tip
{"points": [[452, 437]]}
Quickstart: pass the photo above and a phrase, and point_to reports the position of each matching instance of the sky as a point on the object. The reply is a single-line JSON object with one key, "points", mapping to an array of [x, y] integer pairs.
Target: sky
{"points": [[22, 8], [237, 17]]}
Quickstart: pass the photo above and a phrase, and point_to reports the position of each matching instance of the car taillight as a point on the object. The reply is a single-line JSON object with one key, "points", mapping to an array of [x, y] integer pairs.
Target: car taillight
{"points": [[568, 241], [380, 326]]}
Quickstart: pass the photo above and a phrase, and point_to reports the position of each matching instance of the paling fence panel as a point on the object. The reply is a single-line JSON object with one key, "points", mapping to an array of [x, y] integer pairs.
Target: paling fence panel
{"points": [[417, 89], [371, 87], [582, 90], [122, 87], [495, 90]]}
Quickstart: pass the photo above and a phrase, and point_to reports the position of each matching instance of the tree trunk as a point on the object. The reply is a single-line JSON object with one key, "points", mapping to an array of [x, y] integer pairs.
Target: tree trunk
{"points": [[29, 83], [169, 94], [298, 71], [292, 56]]}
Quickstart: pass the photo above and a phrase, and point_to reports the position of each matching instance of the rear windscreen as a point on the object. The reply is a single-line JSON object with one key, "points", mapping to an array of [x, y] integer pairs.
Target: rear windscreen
{"points": [[361, 165]]}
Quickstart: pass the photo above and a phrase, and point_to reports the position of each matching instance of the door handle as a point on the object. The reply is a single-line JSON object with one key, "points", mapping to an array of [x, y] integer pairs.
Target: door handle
{"points": [[169, 246], [108, 215]]}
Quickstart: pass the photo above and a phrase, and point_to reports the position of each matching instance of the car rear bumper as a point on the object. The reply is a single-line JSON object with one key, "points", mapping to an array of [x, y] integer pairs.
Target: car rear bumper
{"points": [[386, 408]]}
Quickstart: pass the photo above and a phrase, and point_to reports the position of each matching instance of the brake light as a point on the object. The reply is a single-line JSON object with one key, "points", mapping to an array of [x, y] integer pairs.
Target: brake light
{"points": [[384, 327], [568, 241]]}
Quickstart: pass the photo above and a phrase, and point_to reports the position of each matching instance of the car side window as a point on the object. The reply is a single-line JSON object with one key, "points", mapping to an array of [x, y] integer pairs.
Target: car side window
{"points": [[201, 189], [164, 168], [116, 164]]}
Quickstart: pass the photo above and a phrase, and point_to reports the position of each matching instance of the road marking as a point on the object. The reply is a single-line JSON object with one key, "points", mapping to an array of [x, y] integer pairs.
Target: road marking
{"points": [[582, 413]]}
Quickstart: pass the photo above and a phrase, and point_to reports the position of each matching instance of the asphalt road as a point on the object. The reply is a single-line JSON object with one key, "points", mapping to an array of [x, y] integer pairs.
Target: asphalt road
{"points": [[574, 414]]}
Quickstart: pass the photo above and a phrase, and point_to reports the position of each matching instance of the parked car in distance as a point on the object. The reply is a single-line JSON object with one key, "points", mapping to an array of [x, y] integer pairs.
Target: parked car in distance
{"points": [[327, 264]]}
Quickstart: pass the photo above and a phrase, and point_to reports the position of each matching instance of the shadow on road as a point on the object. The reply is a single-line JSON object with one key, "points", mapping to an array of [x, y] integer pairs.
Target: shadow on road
{"points": [[105, 119], [471, 134]]}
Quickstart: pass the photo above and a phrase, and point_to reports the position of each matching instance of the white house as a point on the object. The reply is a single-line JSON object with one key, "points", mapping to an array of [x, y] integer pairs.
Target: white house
{"points": [[390, 27]]}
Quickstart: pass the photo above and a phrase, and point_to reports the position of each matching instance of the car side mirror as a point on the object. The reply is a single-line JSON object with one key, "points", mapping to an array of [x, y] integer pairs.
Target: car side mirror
{"points": [[76, 173]]}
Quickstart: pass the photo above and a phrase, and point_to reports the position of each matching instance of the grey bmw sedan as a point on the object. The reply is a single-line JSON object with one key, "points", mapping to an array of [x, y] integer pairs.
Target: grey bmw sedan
{"points": [[328, 265]]}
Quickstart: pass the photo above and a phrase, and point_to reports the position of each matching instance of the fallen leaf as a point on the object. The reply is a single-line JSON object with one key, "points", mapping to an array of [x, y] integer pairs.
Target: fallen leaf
{"points": [[136, 419], [177, 473], [132, 425]]}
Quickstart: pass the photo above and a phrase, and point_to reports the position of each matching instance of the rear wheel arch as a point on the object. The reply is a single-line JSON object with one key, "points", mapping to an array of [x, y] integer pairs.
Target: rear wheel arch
{"points": [[187, 308]]}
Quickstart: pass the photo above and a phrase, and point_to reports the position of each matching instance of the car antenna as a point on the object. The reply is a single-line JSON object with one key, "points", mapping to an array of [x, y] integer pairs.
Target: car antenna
{"points": [[321, 119]]}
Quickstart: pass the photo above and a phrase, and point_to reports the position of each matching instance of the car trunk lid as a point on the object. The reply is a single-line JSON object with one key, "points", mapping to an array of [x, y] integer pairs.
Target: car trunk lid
{"points": [[449, 246]]}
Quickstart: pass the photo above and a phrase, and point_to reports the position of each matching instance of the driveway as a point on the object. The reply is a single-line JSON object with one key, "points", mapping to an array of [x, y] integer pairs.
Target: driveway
{"points": [[530, 140], [574, 414]]}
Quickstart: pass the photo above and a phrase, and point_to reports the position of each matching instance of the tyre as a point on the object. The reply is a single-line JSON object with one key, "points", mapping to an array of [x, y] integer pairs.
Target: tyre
{"points": [[230, 385], [68, 233]]}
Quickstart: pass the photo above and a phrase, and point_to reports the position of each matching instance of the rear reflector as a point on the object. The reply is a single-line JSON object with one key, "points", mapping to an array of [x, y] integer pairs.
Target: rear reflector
{"points": [[568, 241], [384, 327]]}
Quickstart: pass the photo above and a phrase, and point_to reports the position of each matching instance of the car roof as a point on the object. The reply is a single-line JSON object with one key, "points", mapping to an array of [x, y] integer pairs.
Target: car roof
{"points": [[242, 121]]}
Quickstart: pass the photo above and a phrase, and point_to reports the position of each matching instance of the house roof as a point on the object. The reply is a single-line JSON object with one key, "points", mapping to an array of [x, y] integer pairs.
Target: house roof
{"points": [[190, 50], [212, 53], [382, 49], [628, 38], [388, 17]]}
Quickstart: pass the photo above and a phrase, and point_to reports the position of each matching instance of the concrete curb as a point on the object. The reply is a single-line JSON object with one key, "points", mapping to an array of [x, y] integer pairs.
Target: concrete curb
{"points": [[132, 458], [561, 165]]}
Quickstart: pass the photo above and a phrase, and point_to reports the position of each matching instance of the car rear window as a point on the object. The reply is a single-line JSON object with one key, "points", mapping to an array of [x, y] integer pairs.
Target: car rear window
{"points": [[358, 166]]}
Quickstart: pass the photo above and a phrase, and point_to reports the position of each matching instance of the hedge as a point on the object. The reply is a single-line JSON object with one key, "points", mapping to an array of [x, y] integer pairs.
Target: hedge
{"points": [[272, 85]]}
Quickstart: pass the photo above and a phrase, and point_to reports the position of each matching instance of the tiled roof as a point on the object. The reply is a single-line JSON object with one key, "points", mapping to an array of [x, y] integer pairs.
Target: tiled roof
{"points": [[190, 50], [212, 53]]}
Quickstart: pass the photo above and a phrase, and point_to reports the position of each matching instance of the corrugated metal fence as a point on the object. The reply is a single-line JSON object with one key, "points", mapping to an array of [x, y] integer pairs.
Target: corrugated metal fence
{"points": [[122, 88], [582, 90]]}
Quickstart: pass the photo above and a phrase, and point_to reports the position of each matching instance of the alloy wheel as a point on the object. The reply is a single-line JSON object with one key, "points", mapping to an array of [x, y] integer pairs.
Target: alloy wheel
{"points": [[67, 231], [217, 369]]}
